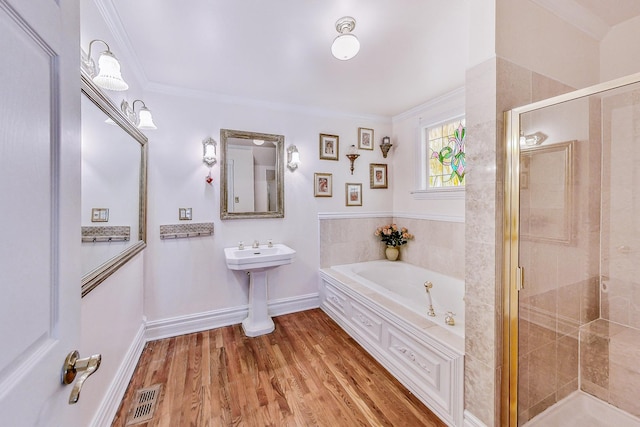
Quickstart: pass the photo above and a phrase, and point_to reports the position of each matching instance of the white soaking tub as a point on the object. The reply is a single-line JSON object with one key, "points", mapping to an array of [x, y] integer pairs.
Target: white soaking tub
{"points": [[383, 305]]}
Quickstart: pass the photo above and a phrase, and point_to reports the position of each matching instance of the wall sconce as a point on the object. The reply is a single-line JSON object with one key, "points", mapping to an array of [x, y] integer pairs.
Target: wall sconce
{"points": [[209, 151], [533, 139], [352, 155], [293, 158], [346, 45], [142, 118], [108, 76], [385, 146]]}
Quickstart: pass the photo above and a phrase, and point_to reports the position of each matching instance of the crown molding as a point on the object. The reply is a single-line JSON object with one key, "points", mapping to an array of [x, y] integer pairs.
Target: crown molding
{"points": [[451, 103]]}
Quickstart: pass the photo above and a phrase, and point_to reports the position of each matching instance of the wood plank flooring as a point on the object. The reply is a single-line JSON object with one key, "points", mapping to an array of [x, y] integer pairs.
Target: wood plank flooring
{"points": [[308, 372]]}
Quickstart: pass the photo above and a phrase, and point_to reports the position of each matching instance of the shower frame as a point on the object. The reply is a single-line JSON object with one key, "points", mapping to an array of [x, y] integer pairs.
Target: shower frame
{"points": [[512, 273]]}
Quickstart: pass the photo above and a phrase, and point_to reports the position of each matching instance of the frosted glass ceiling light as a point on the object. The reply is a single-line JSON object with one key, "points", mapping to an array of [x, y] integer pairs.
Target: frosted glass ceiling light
{"points": [[346, 45], [109, 76]]}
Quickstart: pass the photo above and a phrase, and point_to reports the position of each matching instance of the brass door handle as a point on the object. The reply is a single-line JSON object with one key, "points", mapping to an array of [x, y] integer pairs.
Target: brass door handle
{"points": [[72, 365]]}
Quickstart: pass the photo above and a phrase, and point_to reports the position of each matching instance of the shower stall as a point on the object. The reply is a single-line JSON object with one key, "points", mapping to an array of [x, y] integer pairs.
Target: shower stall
{"points": [[572, 259]]}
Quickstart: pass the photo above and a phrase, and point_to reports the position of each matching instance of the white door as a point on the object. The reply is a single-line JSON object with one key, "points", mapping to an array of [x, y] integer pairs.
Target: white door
{"points": [[39, 208]]}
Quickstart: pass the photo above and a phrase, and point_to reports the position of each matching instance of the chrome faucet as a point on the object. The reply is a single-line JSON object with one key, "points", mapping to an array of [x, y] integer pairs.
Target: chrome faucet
{"points": [[241, 245], [256, 244], [427, 286], [270, 243]]}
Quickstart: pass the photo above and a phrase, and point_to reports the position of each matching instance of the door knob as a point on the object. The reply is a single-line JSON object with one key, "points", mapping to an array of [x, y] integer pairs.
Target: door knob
{"points": [[72, 365]]}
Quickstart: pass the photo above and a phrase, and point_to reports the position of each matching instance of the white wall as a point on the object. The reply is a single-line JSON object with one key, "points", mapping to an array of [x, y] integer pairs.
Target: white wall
{"points": [[112, 314], [405, 156], [188, 276], [620, 50]]}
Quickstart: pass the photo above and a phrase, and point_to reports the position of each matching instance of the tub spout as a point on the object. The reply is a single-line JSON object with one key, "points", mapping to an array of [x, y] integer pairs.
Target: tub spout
{"points": [[427, 287]]}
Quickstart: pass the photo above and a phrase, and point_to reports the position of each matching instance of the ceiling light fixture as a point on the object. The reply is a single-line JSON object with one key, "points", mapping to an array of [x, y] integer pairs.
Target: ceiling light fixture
{"points": [[108, 72], [346, 45]]}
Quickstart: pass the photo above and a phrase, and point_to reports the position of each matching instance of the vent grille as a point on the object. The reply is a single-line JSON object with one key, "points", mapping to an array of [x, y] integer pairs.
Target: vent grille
{"points": [[144, 404]]}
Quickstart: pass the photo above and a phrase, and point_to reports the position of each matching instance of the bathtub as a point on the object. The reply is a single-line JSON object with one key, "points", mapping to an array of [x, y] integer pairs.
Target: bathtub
{"points": [[404, 283], [383, 306]]}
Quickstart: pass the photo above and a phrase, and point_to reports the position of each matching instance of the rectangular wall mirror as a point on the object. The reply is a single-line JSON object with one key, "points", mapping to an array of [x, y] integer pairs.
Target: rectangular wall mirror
{"points": [[251, 175], [114, 186]]}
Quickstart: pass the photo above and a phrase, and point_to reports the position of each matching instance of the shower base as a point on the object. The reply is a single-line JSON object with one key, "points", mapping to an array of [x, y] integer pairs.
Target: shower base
{"points": [[583, 410]]}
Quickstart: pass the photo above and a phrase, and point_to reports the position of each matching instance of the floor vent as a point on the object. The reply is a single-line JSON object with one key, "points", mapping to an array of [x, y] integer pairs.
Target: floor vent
{"points": [[144, 404]]}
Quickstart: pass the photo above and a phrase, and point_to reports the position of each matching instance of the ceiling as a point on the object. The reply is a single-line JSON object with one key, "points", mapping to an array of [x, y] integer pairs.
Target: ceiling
{"points": [[279, 52]]}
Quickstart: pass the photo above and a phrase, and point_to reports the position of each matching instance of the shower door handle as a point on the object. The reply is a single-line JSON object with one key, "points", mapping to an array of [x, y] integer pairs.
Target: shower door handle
{"points": [[520, 279]]}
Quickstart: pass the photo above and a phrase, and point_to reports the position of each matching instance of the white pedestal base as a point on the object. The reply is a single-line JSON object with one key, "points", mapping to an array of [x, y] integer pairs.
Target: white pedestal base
{"points": [[258, 322]]}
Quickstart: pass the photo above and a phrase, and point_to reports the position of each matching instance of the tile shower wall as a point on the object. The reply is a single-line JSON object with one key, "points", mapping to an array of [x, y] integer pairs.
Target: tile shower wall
{"points": [[492, 87], [610, 346], [437, 246]]}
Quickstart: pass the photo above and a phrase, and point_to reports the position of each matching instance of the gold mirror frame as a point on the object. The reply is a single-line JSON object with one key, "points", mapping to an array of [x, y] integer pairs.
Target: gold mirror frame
{"points": [[278, 141], [104, 103]]}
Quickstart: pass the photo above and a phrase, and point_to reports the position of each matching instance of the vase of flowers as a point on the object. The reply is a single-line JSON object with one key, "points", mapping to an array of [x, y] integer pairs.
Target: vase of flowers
{"points": [[393, 237]]}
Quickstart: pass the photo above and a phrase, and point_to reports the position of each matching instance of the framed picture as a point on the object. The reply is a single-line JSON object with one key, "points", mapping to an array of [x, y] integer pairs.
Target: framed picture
{"points": [[329, 146], [365, 139], [100, 215], [378, 175], [323, 185], [353, 194]]}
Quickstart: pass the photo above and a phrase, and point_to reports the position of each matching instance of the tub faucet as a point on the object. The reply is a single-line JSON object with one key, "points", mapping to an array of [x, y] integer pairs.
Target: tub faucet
{"points": [[427, 286], [256, 244]]}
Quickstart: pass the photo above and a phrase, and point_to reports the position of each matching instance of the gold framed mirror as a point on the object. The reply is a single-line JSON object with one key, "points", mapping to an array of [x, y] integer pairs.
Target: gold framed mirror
{"points": [[251, 175]]}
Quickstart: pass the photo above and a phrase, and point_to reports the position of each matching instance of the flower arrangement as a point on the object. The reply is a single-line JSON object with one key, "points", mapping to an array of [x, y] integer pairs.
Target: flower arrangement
{"points": [[391, 235]]}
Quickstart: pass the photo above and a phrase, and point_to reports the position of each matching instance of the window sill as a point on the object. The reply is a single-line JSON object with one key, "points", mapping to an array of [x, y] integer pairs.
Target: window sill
{"points": [[456, 193]]}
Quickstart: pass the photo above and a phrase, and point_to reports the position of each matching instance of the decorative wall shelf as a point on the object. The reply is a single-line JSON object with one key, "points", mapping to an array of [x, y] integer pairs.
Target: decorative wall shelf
{"points": [[107, 233], [181, 231]]}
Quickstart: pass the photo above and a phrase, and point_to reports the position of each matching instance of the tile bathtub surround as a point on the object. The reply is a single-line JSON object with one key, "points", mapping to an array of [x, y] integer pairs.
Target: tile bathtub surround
{"points": [[437, 246]]}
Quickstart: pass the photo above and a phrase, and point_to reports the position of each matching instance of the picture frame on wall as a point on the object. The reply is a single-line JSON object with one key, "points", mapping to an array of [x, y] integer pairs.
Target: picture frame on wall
{"points": [[353, 194], [365, 139], [323, 185], [329, 146], [378, 175]]}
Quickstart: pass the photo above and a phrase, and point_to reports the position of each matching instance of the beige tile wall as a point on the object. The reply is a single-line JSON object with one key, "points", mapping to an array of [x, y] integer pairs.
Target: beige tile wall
{"points": [[437, 245], [493, 87]]}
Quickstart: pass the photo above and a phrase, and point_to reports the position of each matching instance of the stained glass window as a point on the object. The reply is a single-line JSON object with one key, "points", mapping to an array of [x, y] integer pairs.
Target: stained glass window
{"points": [[445, 154]]}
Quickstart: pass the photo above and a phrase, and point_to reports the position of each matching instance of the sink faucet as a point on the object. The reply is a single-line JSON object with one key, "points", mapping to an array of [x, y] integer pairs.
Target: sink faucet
{"points": [[270, 243], [448, 318], [256, 244], [241, 245]]}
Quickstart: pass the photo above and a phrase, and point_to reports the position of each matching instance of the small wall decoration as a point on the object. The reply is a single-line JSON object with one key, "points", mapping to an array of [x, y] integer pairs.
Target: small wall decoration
{"points": [[323, 185], [329, 147], [365, 139], [184, 214], [353, 194], [378, 175], [100, 215]]}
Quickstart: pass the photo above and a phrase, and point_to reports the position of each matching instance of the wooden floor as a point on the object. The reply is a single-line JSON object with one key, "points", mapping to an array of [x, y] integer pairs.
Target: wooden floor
{"points": [[308, 372]]}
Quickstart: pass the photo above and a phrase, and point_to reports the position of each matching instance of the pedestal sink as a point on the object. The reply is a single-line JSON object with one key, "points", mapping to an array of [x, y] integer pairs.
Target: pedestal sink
{"points": [[257, 262]]}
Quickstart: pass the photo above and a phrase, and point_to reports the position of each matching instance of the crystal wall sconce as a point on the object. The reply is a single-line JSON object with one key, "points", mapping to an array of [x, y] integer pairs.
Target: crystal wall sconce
{"points": [[209, 151], [385, 146], [293, 158]]}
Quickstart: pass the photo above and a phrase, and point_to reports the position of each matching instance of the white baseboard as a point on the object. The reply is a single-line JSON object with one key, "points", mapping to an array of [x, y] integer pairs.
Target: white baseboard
{"points": [[109, 406], [181, 325], [471, 421]]}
